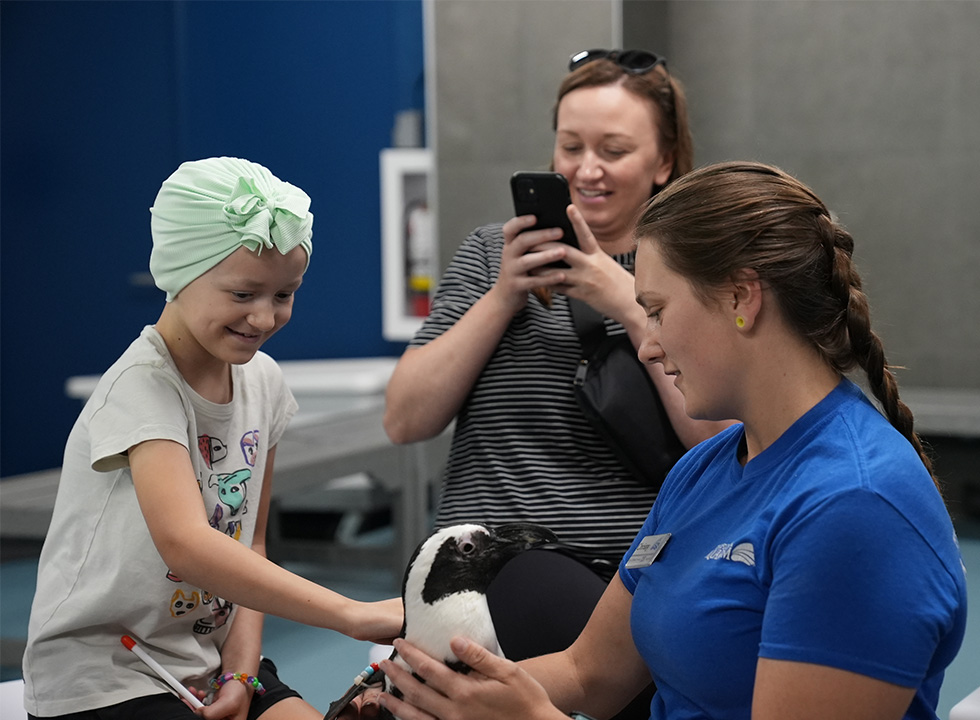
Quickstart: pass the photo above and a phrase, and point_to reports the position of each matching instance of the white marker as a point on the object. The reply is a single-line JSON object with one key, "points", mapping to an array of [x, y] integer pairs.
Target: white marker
{"points": [[161, 671]]}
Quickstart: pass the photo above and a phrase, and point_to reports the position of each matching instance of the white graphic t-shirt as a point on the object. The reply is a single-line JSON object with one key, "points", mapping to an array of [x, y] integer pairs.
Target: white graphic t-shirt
{"points": [[100, 575]]}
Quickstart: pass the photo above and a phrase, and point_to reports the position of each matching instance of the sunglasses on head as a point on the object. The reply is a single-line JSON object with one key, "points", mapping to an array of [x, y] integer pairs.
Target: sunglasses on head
{"points": [[634, 62]]}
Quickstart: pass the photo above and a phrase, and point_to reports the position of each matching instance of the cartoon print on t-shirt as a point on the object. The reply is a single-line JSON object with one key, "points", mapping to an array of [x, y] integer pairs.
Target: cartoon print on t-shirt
{"points": [[250, 447], [212, 449], [216, 516], [232, 490], [220, 612], [182, 603]]}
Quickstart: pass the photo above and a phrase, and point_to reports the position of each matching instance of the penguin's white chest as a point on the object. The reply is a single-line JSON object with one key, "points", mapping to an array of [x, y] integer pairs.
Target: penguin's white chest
{"points": [[432, 626]]}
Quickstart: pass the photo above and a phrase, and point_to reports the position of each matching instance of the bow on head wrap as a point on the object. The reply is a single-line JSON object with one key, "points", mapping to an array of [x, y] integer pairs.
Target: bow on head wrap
{"points": [[209, 208]]}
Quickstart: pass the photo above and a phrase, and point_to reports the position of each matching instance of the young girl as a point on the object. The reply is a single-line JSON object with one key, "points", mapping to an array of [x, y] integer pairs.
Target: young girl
{"points": [[159, 527], [800, 564]]}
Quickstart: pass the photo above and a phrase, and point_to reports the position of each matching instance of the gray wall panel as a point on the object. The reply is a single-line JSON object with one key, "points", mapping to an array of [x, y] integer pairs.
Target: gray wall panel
{"points": [[874, 104], [498, 66]]}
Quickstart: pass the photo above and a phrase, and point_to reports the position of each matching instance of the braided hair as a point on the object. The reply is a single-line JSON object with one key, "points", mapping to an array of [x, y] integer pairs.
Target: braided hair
{"points": [[714, 221]]}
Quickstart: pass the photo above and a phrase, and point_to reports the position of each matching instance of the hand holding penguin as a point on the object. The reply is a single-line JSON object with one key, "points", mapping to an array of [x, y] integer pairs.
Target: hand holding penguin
{"points": [[494, 688]]}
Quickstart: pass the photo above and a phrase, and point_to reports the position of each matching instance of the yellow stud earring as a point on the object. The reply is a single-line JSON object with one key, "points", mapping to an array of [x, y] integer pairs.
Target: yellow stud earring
{"points": [[739, 321]]}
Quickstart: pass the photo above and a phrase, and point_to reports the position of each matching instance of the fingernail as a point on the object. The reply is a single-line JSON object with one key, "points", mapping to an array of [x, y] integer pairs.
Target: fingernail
{"points": [[459, 645]]}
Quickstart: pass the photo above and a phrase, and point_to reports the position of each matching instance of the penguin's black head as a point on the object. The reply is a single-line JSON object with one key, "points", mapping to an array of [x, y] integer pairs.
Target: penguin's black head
{"points": [[463, 558]]}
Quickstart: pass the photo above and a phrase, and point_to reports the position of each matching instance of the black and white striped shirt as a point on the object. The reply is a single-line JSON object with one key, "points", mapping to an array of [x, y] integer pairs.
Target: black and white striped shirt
{"points": [[522, 449]]}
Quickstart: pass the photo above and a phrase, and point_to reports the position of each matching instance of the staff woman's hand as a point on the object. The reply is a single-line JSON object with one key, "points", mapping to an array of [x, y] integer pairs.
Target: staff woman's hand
{"points": [[495, 688]]}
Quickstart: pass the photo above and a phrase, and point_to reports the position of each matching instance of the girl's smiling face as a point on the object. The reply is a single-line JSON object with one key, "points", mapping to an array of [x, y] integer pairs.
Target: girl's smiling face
{"points": [[232, 309], [607, 146], [692, 339]]}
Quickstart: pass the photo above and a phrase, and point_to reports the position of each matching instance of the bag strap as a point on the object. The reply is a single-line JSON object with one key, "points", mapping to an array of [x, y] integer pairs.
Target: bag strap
{"points": [[589, 325]]}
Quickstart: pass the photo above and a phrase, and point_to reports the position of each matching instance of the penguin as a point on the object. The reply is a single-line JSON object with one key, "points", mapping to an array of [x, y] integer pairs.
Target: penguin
{"points": [[444, 590], [445, 584]]}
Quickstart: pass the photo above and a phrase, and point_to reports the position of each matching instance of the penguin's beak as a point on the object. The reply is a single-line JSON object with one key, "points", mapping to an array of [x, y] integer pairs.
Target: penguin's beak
{"points": [[523, 536]]}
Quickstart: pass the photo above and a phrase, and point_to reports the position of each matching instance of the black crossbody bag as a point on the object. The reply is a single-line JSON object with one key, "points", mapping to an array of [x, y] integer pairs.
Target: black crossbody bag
{"points": [[620, 400]]}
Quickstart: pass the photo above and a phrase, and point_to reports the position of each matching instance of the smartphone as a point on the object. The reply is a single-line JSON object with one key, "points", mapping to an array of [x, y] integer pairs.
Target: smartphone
{"points": [[544, 195]]}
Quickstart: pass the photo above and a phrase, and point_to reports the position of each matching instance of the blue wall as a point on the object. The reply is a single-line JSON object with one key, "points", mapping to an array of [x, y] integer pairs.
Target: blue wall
{"points": [[102, 100]]}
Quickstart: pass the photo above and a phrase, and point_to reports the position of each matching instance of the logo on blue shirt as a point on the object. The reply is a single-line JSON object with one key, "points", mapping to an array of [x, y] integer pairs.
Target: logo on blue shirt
{"points": [[743, 553]]}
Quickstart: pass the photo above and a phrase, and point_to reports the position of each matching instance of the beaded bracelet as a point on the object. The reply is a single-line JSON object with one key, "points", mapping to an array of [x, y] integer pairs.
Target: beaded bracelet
{"points": [[243, 678]]}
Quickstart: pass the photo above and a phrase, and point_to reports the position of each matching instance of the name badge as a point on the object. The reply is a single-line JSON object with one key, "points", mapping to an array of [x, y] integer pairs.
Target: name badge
{"points": [[647, 551]]}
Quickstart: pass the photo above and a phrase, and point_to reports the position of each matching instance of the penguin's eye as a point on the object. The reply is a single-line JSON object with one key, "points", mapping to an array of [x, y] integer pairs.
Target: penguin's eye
{"points": [[466, 547]]}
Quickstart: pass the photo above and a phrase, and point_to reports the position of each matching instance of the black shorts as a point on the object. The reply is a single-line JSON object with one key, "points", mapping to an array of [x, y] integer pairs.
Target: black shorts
{"points": [[168, 706]]}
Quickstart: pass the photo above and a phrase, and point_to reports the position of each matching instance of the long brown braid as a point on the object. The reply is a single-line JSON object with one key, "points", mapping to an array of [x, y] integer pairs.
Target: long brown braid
{"points": [[719, 219]]}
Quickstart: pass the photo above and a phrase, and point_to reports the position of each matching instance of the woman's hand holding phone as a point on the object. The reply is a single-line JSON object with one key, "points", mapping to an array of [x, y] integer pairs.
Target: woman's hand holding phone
{"points": [[588, 273], [524, 264], [567, 259]]}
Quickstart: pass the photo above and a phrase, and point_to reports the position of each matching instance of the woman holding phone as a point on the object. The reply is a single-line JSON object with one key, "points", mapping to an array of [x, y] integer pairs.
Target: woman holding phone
{"points": [[499, 351]]}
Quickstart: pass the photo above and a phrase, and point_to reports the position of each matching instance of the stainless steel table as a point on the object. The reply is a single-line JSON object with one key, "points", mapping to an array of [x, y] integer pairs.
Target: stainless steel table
{"points": [[333, 437]]}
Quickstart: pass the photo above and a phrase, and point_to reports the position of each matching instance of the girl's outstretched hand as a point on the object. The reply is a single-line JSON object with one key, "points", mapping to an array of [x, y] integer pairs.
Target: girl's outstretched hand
{"points": [[495, 688], [379, 622]]}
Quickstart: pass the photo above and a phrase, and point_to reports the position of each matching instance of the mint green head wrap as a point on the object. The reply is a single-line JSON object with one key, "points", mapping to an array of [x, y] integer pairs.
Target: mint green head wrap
{"points": [[209, 208]]}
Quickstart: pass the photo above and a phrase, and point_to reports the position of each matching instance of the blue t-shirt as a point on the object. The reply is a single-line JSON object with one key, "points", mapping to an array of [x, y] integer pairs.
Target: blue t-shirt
{"points": [[830, 547]]}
